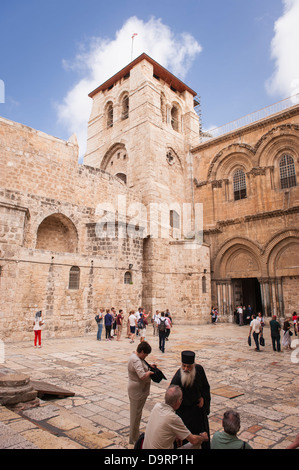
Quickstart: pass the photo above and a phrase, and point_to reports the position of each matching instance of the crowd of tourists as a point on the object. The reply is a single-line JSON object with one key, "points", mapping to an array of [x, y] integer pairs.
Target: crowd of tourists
{"points": [[136, 325]]}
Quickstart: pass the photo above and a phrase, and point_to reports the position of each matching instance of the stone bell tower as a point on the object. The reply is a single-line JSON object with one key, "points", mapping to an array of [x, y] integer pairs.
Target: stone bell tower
{"points": [[141, 128]]}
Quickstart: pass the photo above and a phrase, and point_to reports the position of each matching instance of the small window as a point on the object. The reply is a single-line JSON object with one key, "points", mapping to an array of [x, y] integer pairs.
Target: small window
{"points": [[125, 107], [174, 219], [128, 278], [204, 285], [287, 172], [74, 278], [239, 182], [109, 115]]}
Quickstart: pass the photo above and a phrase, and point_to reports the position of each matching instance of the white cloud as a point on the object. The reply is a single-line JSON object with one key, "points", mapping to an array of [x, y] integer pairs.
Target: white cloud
{"points": [[284, 51], [104, 57]]}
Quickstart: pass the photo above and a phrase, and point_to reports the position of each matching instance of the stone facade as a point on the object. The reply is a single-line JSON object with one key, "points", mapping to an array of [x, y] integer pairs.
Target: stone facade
{"points": [[253, 232], [122, 229]]}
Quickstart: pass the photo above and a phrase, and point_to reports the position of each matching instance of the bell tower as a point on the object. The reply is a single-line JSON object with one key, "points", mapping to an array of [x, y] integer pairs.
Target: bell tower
{"points": [[141, 128]]}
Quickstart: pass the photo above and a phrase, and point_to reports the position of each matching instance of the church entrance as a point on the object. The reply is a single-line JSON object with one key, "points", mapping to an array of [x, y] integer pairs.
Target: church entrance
{"points": [[246, 292]]}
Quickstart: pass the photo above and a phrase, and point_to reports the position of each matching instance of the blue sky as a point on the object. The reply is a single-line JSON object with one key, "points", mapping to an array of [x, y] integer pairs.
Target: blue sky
{"points": [[235, 54]]}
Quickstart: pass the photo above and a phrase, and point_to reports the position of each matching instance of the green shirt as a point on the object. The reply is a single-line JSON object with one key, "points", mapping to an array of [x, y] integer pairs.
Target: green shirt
{"points": [[222, 440], [275, 327]]}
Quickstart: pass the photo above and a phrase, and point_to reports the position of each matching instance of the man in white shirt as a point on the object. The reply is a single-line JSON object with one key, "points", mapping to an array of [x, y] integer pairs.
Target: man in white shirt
{"points": [[133, 325], [255, 328], [165, 426]]}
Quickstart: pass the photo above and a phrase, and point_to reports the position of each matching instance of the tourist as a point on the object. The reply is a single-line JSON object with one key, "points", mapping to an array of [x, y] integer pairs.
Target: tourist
{"points": [[295, 323], [168, 325], [119, 324], [99, 319], [162, 325], [37, 328], [248, 314], [164, 426], [113, 326], [138, 386], [142, 324], [275, 328], [227, 439], [138, 314], [133, 325], [255, 328], [213, 315], [195, 407], [240, 315], [286, 339], [155, 323], [108, 319]]}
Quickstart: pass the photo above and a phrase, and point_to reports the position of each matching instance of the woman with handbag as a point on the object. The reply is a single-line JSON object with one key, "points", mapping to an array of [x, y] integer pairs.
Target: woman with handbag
{"points": [[37, 328], [286, 340], [138, 387]]}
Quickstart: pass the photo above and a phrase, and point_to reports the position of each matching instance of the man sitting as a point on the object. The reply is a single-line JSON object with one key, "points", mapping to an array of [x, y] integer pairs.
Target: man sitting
{"points": [[165, 426], [228, 439]]}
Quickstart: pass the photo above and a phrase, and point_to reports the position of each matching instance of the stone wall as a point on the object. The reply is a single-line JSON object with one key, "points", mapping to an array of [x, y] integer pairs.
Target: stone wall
{"points": [[49, 214]]}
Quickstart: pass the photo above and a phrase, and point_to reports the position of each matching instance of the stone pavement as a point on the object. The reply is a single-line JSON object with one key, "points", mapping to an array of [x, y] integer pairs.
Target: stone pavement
{"points": [[262, 386]]}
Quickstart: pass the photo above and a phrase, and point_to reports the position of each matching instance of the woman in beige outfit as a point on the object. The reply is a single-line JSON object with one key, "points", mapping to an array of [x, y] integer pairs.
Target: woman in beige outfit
{"points": [[138, 386]]}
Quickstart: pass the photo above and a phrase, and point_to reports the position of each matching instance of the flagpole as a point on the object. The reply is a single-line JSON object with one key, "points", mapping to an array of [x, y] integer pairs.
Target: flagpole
{"points": [[135, 34]]}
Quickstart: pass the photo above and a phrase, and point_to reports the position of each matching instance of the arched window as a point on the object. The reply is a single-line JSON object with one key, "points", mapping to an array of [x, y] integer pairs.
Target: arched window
{"points": [[122, 177], [109, 115], [239, 182], [128, 278], [287, 172], [74, 278], [125, 107], [175, 118]]}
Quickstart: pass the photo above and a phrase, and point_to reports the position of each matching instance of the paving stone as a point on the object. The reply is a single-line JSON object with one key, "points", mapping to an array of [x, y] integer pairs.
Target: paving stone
{"points": [[98, 415]]}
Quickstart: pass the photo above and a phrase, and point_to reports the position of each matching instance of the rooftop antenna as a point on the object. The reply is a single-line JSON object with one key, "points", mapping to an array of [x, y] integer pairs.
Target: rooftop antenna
{"points": [[133, 35]]}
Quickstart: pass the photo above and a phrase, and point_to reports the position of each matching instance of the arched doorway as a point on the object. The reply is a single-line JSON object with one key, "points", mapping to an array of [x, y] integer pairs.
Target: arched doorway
{"points": [[238, 269]]}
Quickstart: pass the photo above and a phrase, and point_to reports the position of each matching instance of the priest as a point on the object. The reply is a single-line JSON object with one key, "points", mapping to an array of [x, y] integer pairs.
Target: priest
{"points": [[195, 406]]}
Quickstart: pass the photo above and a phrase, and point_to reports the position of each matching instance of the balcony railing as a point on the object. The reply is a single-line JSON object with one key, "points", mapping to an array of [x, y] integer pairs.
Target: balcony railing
{"points": [[250, 118]]}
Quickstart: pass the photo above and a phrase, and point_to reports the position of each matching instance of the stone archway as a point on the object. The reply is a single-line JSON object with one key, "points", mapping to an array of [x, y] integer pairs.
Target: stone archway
{"points": [[237, 269], [57, 233]]}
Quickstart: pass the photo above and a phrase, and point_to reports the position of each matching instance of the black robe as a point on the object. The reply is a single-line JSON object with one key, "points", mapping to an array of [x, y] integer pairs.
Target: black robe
{"points": [[195, 418]]}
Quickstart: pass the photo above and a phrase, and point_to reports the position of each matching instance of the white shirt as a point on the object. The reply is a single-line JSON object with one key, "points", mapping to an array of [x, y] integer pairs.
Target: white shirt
{"points": [[255, 325], [164, 425], [132, 319]]}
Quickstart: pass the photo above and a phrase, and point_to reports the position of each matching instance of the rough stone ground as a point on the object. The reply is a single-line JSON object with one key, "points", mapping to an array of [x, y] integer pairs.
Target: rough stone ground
{"points": [[263, 387]]}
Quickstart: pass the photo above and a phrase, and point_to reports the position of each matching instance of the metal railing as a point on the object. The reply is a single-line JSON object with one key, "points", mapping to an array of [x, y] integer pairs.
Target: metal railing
{"points": [[250, 118]]}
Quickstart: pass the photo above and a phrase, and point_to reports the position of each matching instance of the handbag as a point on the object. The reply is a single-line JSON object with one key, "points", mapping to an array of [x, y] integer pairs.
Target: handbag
{"points": [[249, 340], [157, 375], [139, 442], [262, 341]]}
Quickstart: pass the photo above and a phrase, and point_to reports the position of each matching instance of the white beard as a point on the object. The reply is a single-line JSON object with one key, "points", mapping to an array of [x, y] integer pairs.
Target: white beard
{"points": [[187, 378]]}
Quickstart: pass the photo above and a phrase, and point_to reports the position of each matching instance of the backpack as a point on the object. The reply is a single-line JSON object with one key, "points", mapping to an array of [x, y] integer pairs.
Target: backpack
{"points": [[97, 318], [140, 323], [162, 325]]}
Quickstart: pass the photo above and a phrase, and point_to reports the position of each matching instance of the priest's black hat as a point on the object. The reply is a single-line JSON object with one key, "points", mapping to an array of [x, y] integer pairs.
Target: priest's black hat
{"points": [[188, 357]]}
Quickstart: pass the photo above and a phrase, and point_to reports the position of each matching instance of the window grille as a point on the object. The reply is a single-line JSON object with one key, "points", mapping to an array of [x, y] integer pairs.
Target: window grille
{"points": [[128, 278], [74, 278], [239, 181], [287, 172], [125, 107], [109, 115]]}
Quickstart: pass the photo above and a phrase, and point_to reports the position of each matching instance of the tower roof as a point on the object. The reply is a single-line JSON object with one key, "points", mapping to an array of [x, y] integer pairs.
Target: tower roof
{"points": [[159, 71]]}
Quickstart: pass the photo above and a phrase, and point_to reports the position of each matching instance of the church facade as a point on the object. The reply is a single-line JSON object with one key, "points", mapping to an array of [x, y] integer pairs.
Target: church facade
{"points": [[154, 217]]}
